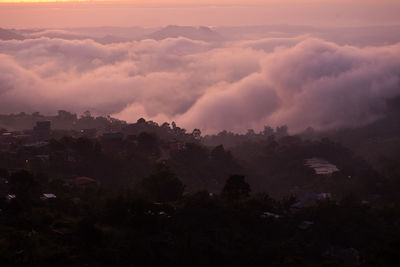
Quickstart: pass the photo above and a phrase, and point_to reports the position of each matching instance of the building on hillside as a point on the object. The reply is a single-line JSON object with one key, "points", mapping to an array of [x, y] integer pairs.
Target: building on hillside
{"points": [[309, 200], [305, 225], [321, 166], [112, 142], [10, 197], [82, 181], [112, 136], [89, 133], [48, 196], [267, 214], [347, 256]]}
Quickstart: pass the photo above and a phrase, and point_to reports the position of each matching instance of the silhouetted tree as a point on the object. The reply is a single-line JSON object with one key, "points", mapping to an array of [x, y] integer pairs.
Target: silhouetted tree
{"points": [[148, 144], [89, 234], [23, 184], [162, 186], [3, 173], [281, 131], [116, 210], [141, 121], [268, 131], [236, 187], [196, 134], [166, 125]]}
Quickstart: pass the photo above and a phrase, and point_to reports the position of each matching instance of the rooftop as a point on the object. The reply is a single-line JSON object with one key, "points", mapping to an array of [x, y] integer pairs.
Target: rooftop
{"points": [[321, 166]]}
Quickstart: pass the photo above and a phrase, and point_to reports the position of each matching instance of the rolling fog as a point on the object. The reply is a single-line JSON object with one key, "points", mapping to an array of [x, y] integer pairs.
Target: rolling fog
{"points": [[212, 78]]}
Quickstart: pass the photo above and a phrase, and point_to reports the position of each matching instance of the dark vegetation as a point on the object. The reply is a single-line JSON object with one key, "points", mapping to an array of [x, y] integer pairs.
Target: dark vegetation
{"points": [[160, 196]]}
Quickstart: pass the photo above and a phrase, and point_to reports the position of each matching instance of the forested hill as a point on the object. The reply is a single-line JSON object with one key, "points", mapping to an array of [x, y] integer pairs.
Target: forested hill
{"points": [[96, 191]]}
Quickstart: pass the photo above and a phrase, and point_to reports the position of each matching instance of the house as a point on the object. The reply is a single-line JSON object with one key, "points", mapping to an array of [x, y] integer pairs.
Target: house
{"points": [[305, 225], [309, 200], [42, 129], [6, 138], [48, 196], [347, 256], [10, 197], [89, 133], [112, 136], [76, 200], [321, 166], [112, 142], [38, 144], [82, 181], [43, 158], [62, 231], [267, 214]]}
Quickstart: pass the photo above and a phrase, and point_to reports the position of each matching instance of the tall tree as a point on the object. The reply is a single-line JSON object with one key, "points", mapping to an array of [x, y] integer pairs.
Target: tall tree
{"points": [[236, 188]]}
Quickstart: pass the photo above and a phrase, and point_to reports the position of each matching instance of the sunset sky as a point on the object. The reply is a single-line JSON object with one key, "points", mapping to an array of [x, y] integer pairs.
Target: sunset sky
{"points": [[152, 13]]}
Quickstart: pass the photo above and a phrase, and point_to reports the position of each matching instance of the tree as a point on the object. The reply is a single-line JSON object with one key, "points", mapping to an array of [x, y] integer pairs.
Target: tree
{"points": [[3, 173], [141, 121], [86, 114], [116, 210], [89, 233], [236, 187], [281, 131], [268, 131], [250, 132], [148, 144], [64, 120], [23, 184], [218, 152], [162, 186], [166, 125], [196, 134]]}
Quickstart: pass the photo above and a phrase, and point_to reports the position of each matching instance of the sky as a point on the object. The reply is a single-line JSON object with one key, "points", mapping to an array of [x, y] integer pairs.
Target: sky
{"points": [[222, 12]]}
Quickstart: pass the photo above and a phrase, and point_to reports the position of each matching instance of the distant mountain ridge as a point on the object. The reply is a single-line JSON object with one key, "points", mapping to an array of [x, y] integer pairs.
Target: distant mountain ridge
{"points": [[195, 33], [10, 35], [201, 33]]}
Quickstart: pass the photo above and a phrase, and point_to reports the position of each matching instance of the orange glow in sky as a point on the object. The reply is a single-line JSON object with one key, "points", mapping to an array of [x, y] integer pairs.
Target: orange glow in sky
{"points": [[213, 2], [150, 13]]}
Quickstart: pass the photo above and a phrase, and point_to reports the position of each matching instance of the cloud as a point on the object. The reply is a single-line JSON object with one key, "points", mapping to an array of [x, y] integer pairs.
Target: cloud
{"points": [[270, 44], [298, 81], [55, 33], [325, 85]]}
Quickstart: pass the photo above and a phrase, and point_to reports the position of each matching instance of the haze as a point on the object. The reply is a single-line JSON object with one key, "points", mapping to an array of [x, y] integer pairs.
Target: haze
{"points": [[230, 65]]}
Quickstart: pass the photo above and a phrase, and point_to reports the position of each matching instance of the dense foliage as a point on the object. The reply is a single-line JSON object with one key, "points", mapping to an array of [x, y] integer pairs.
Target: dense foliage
{"points": [[164, 197]]}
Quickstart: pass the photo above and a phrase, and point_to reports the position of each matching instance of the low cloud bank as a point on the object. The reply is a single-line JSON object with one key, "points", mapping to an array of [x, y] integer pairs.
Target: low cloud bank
{"points": [[235, 86]]}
